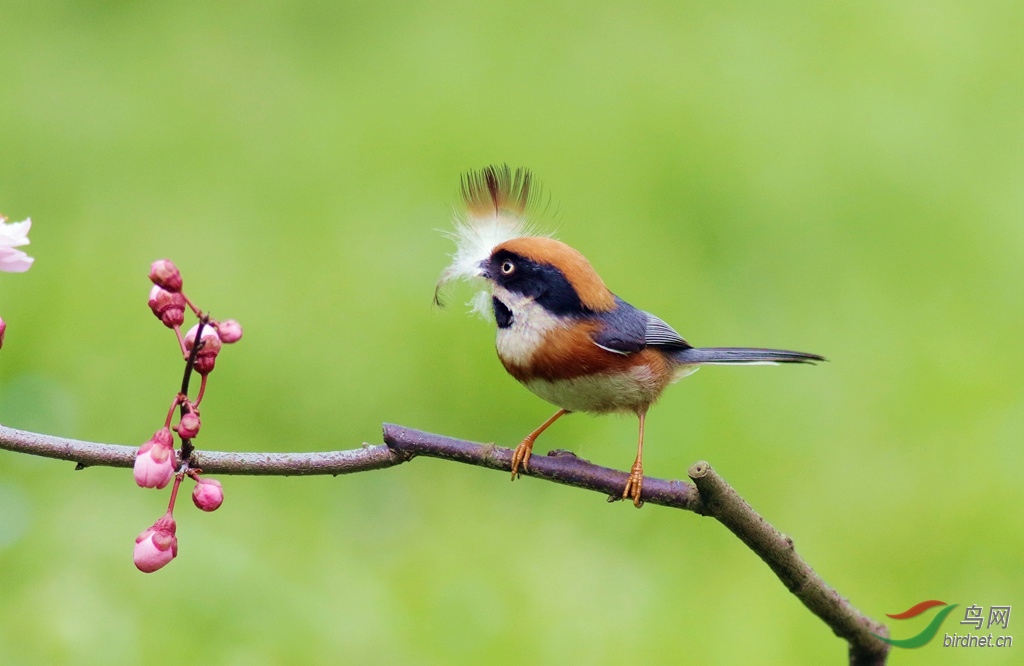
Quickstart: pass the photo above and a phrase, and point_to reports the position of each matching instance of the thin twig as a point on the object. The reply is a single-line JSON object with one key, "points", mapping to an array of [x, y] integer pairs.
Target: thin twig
{"points": [[197, 343], [711, 496]]}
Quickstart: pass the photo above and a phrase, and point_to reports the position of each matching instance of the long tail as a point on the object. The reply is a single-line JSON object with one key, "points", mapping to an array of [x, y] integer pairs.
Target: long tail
{"points": [[742, 356]]}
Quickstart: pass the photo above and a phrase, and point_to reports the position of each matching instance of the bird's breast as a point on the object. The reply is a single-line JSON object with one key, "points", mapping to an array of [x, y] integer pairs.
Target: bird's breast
{"points": [[556, 358]]}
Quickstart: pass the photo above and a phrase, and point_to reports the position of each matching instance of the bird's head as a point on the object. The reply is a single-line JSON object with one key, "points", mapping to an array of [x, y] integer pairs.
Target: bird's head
{"points": [[495, 242], [547, 272]]}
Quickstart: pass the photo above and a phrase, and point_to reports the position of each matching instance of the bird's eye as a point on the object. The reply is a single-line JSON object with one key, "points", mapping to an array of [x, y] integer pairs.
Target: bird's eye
{"points": [[507, 267]]}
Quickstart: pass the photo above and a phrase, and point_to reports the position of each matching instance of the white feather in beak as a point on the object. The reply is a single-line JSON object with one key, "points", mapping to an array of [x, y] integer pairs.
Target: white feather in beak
{"points": [[495, 199]]}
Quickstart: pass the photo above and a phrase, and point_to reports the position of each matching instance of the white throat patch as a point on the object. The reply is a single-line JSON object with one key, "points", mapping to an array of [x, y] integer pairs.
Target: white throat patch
{"points": [[531, 323]]}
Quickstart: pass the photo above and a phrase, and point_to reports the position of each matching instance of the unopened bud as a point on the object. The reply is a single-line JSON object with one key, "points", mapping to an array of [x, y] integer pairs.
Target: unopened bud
{"points": [[157, 546], [169, 307], [188, 426], [208, 494], [3, 329], [206, 357], [154, 463], [229, 331], [165, 274]]}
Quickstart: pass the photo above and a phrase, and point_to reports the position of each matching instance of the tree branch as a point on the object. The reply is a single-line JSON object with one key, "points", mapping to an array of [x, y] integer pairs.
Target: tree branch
{"points": [[89, 454], [711, 496]]}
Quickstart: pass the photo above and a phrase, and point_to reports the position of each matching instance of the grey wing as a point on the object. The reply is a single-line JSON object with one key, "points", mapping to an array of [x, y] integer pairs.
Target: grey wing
{"points": [[628, 330], [660, 334]]}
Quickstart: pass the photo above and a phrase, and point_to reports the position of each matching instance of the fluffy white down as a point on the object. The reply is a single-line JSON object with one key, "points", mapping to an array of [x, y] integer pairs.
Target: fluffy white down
{"points": [[475, 239]]}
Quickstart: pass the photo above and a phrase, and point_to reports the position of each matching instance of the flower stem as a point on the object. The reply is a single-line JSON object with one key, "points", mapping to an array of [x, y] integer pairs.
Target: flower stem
{"points": [[170, 413], [174, 492], [202, 390]]}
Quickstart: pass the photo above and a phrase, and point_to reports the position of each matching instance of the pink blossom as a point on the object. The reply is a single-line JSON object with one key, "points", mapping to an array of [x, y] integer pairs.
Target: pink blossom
{"points": [[165, 274], [14, 235], [208, 494], [154, 463], [229, 331], [157, 546]]}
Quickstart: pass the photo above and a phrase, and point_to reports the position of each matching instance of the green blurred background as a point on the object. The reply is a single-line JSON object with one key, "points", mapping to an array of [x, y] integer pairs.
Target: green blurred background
{"points": [[846, 179]]}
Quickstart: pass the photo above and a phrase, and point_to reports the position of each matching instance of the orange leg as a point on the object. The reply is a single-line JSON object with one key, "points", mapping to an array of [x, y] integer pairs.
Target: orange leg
{"points": [[521, 456], [635, 482]]}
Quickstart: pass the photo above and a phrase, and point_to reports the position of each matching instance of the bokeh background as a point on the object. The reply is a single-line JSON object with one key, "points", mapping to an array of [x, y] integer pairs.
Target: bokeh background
{"points": [[846, 179]]}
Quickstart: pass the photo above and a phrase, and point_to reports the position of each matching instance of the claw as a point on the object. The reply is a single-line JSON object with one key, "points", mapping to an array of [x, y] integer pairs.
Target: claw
{"points": [[521, 456], [635, 485]]}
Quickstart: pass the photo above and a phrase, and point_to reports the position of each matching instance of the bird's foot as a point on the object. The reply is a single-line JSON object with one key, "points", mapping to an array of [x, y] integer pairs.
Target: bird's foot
{"points": [[635, 484], [521, 456]]}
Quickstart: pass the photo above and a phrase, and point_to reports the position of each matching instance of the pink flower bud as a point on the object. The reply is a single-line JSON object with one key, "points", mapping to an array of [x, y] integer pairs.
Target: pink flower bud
{"points": [[188, 426], [229, 331], [154, 463], [207, 356], [157, 546], [208, 494], [3, 330], [169, 307], [165, 274]]}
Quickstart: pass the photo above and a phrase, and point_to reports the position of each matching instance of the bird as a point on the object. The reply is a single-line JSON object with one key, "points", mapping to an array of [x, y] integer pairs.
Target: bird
{"points": [[560, 331]]}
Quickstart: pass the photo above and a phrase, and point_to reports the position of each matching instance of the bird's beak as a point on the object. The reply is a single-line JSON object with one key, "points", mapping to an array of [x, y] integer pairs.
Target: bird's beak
{"points": [[478, 270]]}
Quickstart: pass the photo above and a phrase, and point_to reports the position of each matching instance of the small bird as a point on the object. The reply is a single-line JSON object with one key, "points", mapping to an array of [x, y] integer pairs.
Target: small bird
{"points": [[561, 332]]}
